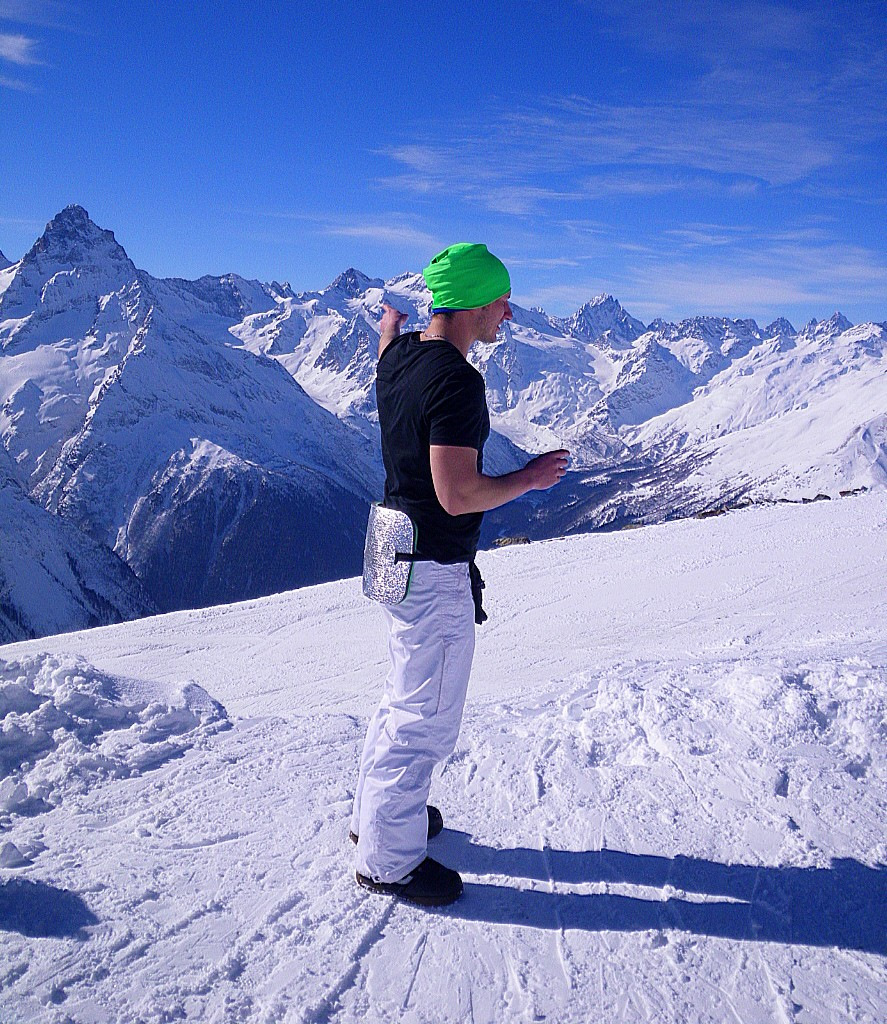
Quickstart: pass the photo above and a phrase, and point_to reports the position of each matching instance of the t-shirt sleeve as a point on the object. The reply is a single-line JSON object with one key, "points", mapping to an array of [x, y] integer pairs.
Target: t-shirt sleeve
{"points": [[456, 409]]}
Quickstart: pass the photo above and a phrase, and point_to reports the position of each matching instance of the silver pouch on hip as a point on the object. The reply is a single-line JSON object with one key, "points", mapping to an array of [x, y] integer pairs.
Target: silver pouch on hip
{"points": [[388, 555]]}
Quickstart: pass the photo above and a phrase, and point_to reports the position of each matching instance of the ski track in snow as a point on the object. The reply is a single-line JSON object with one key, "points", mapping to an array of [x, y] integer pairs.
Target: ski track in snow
{"points": [[688, 827]]}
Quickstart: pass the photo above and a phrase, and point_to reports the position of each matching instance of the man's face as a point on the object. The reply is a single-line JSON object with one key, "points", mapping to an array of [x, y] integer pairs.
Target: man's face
{"points": [[491, 318]]}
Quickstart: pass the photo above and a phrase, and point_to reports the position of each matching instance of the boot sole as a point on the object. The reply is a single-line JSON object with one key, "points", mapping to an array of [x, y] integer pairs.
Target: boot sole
{"points": [[389, 889]]}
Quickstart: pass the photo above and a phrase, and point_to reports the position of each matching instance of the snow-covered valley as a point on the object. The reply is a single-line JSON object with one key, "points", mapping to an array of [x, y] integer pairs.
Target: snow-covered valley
{"points": [[667, 800]]}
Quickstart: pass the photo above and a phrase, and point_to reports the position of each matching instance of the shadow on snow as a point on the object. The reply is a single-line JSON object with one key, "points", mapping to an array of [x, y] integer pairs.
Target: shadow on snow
{"points": [[844, 905], [40, 911]]}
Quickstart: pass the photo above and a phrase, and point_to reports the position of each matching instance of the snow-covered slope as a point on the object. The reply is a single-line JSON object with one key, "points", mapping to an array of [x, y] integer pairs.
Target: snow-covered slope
{"points": [[790, 416], [667, 799], [53, 577], [206, 458]]}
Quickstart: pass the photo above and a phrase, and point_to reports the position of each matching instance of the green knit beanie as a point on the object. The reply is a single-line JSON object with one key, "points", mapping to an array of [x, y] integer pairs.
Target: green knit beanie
{"points": [[466, 276]]}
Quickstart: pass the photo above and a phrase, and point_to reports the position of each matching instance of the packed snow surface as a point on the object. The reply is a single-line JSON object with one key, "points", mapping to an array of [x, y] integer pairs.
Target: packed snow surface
{"points": [[667, 799]]}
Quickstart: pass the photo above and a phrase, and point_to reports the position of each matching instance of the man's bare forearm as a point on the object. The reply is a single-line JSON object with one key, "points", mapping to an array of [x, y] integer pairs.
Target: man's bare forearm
{"points": [[461, 489]]}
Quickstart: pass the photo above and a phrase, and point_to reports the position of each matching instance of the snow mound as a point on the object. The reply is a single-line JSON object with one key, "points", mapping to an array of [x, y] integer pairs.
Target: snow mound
{"points": [[66, 727]]}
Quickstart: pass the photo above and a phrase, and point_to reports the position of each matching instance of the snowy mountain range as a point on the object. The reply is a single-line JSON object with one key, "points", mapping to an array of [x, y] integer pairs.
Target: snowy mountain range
{"points": [[129, 412], [218, 437]]}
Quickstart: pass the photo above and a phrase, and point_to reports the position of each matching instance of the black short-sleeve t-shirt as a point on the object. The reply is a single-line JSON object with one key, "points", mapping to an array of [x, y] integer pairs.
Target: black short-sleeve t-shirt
{"points": [[428, 393]]}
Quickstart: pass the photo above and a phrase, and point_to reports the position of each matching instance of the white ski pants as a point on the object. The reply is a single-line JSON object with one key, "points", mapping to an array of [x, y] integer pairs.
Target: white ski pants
{"points": [[430, 644]]}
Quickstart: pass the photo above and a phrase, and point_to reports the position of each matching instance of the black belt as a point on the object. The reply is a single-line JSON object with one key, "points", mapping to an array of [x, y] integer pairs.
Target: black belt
{"points": [[477, 582], [477, 586]]}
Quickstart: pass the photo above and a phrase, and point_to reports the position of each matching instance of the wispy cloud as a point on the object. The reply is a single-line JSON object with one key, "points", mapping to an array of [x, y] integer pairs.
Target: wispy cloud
{"points": [[386, 234], [16, 83], [681, 134], [771, 95], [393, 228], [508, 162], [846, 193], [43, 13], [543, 263], [24, 50], [18, 49], [748, 26], [483, 187], [823, 62], [23, 222], [799, 271], [761, 278], [703, 235]]}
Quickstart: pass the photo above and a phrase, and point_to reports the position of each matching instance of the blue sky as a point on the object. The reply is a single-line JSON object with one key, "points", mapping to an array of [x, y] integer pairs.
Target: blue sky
{"points": [[688, 158]]}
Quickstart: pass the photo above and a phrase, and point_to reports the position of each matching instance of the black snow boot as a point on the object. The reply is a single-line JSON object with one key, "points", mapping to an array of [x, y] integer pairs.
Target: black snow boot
{"points": [[435, 824], [428, 885]]}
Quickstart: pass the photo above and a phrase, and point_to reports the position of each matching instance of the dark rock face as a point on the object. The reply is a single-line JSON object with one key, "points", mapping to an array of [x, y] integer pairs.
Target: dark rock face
{"points": [[72, 238], [244, 534], [53, 577]]}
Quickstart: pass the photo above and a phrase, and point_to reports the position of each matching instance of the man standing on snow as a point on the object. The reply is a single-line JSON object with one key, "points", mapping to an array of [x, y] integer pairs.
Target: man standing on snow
{"points": [[434, 422]]}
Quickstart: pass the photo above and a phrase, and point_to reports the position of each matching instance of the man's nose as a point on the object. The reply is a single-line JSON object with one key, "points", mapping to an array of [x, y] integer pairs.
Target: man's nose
{"points": [[507, 315]]}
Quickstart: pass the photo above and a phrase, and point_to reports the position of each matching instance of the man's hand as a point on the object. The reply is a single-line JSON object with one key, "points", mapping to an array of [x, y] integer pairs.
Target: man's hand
{"points": [[546, 470], [390, 325], [393, 319]]}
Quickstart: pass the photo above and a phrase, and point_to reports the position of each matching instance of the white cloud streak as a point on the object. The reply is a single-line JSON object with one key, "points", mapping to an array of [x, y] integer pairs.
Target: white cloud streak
{"points": [[387, 229], [733, 270], [18, 49], [597, 151], [782, 93], [766, 283], [385, 234], [45, 13], [15, 83]]}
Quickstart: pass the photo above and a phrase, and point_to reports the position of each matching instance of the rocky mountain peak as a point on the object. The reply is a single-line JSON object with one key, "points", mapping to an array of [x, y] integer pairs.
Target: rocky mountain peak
{"points": [[780, 328], [353, 282], [603, 315], [71, 238], [283, 289], [409, 280], [836, 324], [659, 324], [4, 262]]}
